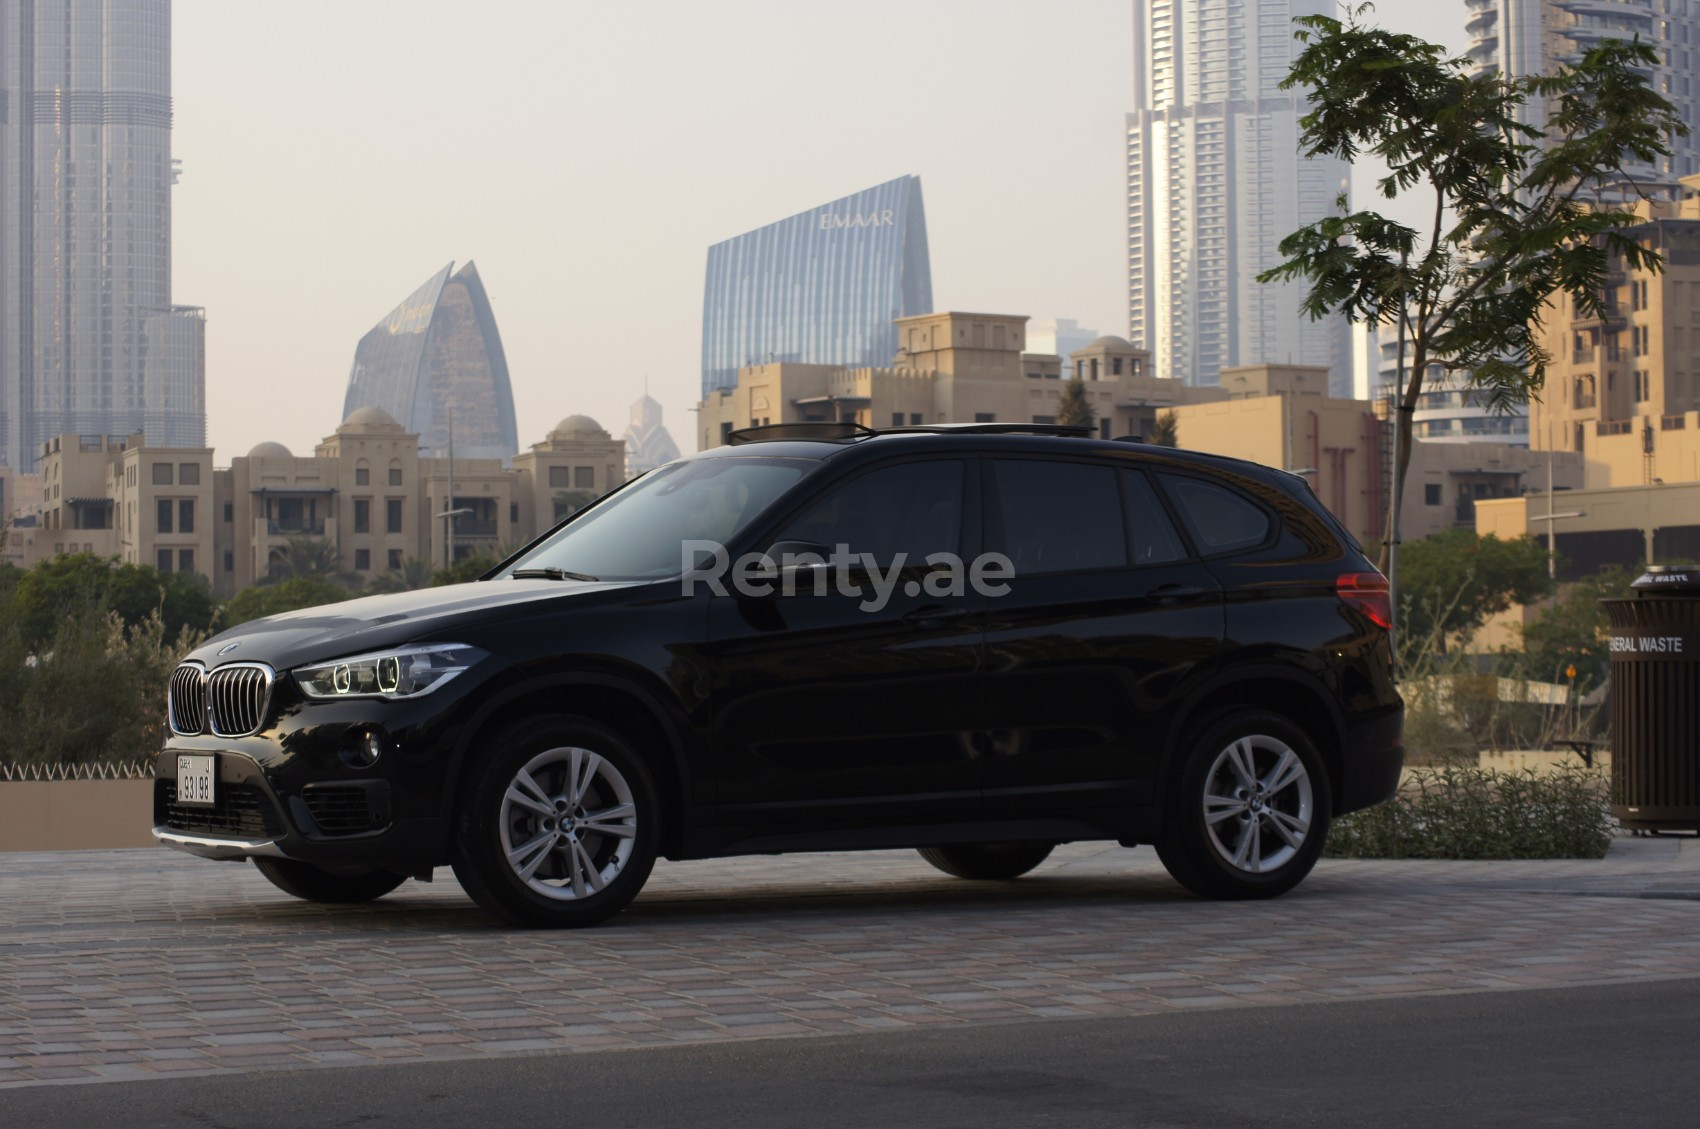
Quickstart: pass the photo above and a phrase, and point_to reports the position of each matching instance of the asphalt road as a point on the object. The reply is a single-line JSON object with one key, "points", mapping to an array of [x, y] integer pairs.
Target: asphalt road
{"points": [[1617, 1055]]}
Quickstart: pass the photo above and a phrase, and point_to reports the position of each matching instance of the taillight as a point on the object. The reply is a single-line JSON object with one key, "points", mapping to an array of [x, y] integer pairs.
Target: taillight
{"points": [[1367, 591]]}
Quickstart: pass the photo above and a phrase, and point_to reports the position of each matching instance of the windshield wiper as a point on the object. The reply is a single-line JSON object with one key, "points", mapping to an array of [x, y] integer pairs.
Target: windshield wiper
{"points": [[551, 573]]}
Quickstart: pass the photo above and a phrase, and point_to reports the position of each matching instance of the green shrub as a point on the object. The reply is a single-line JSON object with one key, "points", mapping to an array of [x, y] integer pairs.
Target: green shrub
{"points": [[94, 691], [1471, 813]]}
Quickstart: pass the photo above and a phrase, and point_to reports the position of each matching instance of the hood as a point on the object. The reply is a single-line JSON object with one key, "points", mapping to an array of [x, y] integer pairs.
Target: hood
{"points": [[372, 622]]}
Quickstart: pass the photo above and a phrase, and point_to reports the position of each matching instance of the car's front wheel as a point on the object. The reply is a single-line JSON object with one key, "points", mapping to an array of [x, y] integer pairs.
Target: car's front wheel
{"points": [[559, 825], [988, 861], [1248, 813], [316, 884]]}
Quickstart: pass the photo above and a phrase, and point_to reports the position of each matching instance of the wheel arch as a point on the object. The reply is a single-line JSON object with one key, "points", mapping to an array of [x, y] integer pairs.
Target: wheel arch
{"points": [[1294, 695], [622, 705]]}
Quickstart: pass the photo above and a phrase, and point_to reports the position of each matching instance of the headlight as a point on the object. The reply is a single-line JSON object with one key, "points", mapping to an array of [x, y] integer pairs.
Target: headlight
{"points": [[406, 672]]}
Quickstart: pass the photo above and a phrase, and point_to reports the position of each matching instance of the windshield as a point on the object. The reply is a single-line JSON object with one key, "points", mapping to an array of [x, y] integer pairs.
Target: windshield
{"points": [[640, 533]]}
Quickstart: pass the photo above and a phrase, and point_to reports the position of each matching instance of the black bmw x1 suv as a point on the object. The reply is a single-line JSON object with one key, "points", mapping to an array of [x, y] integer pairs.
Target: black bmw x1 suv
{"points": [[972, 641]]}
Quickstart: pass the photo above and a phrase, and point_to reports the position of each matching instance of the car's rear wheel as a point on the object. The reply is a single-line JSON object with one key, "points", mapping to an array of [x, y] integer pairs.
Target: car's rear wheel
{"points": [[316, 884], [1248, 812], [558, 826], [988, 861]]}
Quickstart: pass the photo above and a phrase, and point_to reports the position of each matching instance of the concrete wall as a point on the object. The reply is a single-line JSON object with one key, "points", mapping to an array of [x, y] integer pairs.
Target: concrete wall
{"points": [[75, 815]]}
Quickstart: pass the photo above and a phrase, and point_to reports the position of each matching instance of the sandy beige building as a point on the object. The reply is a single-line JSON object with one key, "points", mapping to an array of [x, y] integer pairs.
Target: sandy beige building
{"points": [[950, 368], [1623, 397], [1282, 416], [963, 367], [1623, 389], [364, 489]]}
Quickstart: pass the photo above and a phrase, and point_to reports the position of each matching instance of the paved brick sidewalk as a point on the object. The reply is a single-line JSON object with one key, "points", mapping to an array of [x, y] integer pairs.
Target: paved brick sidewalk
{"points": [[138, 964]]}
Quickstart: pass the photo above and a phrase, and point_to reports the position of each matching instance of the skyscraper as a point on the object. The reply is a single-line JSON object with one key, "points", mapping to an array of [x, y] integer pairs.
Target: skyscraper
{"points": [[437, 357], [1521, 37], [1215, 183], [821, 287], [90, 342], [648, 443]]}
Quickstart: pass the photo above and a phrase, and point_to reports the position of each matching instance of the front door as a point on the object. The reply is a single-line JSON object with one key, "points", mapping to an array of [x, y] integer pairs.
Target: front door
{"points": [[860, 707]]}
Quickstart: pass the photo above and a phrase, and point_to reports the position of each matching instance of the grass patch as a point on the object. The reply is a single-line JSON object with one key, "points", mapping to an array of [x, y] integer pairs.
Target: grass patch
{"points": [[1457, 812]]}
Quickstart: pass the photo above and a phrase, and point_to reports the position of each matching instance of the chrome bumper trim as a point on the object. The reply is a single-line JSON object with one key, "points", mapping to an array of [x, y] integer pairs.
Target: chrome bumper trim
{"points": [[217, 848]]}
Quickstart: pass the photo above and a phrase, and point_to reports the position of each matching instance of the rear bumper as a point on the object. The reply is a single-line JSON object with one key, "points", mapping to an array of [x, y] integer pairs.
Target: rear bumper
{"points": [[1373, 759]]}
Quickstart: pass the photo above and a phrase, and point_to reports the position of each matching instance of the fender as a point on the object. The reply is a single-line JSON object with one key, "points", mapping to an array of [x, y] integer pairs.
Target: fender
{"points": [[1220, 679], [673, 725]]}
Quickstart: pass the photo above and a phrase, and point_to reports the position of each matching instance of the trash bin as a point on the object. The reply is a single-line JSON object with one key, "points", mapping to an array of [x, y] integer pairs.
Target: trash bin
{"points": [[1655, 701]]}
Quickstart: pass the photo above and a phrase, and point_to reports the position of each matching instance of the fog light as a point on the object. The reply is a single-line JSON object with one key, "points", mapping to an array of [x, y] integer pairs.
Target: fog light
{"points": [[364, 753]]}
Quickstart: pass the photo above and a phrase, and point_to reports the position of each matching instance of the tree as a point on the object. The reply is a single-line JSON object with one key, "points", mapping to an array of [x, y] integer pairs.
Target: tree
{"points": [[1075, 409], [1512, 226], [66, 585], [466, 569], [309, 556], [1166, 430], [1573, 632], [259, 600], [414, 573], [570, 502], [1455, 580]]}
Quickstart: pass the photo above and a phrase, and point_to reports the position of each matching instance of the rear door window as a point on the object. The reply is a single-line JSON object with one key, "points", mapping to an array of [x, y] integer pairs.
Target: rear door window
{"points": [[1152, 536], [1060, 516]]}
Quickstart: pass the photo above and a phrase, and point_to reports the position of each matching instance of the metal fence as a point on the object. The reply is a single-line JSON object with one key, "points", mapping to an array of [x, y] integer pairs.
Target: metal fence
{"points": [[90, 770]]}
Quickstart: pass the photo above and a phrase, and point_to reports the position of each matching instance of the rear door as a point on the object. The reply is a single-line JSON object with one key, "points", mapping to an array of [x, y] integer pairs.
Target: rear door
{"points": [[1105, 620]]}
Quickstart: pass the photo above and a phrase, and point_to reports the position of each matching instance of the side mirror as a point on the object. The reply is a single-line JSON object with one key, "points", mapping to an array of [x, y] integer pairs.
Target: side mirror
{"points": [[803, 566]]}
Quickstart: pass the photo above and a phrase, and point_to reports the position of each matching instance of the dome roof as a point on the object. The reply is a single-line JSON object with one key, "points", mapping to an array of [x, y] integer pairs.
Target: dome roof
{"points": [[370, 417], [576, 423], [1111, 341], [269, 450]]}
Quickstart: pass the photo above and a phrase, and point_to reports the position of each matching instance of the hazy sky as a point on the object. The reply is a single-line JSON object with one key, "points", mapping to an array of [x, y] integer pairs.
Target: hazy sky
{"points": [[336, 153]]}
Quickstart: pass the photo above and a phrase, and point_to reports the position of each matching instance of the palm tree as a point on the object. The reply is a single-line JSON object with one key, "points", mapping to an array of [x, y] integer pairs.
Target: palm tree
{"points": [[414, 573], [1075, 409], [1166, 431], [309, 556], [569, 502]]}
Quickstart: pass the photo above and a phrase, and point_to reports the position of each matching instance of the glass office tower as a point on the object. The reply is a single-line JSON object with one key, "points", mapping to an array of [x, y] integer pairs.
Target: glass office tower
{"points": [[819, 288], [90, 341], [436, 356]]}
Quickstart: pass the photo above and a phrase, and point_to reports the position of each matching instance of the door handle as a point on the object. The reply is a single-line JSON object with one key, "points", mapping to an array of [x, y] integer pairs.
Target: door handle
{"points": [[1175, 593], [933, 613]]}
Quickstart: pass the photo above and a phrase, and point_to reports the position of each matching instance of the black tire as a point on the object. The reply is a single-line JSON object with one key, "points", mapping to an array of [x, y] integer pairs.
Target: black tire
{"points": [[1214, 857], [988, 861], [315, 884], [575, 876]]}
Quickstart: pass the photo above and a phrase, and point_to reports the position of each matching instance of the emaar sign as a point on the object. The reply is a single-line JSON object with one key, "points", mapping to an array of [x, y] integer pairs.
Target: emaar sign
{"points": [[830, 221]]}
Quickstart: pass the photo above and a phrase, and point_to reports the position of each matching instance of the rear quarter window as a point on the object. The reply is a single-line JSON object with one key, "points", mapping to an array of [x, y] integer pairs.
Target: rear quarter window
{"points": [[1220, 520]]}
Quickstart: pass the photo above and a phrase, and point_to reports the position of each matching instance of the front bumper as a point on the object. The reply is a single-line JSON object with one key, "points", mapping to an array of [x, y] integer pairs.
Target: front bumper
{"points": [[224, 850], [293, 791]]}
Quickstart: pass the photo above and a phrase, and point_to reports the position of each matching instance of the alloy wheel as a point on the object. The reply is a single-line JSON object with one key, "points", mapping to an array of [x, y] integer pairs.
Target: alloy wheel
{"points": [[1258, 804], [568, 823]]}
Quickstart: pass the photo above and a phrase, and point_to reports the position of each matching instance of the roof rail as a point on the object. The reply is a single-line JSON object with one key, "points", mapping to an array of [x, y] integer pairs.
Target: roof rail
{"points": [[1070, 430], [818, 430], [830, 431]]}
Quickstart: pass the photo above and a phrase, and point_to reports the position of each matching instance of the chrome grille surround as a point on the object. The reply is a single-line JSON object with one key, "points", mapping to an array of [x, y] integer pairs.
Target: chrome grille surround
{"points": [[237, 697], [230, 701], [187, 703]]}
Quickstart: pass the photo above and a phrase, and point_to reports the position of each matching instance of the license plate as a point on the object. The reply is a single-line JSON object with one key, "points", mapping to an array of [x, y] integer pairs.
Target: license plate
{"points": [[197, 780]]}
